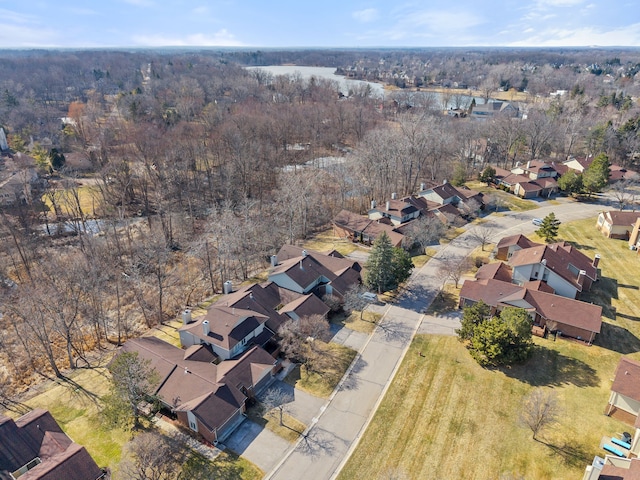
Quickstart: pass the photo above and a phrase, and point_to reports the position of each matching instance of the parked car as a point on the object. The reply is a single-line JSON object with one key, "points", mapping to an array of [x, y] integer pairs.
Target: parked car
{"points": [[537, 222]]}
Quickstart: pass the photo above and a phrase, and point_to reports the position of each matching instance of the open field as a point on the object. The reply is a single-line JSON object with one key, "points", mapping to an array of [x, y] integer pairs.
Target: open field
{"points": [[446, 417], [326, 240], [88, 196]]}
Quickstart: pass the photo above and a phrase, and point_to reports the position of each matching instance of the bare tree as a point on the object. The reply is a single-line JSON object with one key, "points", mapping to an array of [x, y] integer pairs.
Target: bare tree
{"points": [[482, 234], [624, 192], [354, 299], [276, 399], [152, 456], [452, 268], [299, 337], [540, 409], [425, 230]]}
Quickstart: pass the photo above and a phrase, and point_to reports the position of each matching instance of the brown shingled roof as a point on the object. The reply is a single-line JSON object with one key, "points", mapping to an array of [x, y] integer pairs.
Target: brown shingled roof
{"points": [[611, 472], [518, 239], [627, 378]]}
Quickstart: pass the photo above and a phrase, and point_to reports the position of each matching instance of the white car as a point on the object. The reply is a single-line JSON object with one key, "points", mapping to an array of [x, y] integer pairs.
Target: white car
{"points": [[537, 222]]}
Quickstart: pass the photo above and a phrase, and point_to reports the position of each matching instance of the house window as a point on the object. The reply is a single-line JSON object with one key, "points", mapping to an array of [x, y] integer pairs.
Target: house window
{"points": [[535, 274], [193, 426]]}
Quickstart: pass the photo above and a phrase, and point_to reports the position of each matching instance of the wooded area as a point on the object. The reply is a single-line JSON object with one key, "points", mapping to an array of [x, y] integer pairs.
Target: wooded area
{"points": [[183, 170]]}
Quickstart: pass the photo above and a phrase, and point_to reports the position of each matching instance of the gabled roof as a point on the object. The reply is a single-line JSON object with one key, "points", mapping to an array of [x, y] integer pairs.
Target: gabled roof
{"points": [[514, 178], [546, 182], [630, 471], [627, 378], [518, 239], [357, 223], [552, 307], [333, 262], [212, 392], [624, 218], [446, 191], [227, 325], [397, 208], [37, 434], [558, 258], [497, 271], [530, 186]]}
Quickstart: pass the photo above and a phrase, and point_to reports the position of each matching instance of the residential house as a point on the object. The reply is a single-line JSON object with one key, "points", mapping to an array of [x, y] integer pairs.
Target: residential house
{"points": [[362, 229], [446, 193], [617, 224], [527, 189], [315, 273], [491, 109], [624, 401], [34, 447], [612, 467], [228, 331], [395, 211], [568, 317], [617, 173], [207, 398], [508, 245], [536, 169], [564, 268]]}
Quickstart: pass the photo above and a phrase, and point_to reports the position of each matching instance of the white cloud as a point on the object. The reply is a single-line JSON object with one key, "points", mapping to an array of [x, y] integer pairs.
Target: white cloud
{"points": [[200, 11], [222, 38], [14, 36], [140, 3], [559, 3], [365, 16], [623, 36]]}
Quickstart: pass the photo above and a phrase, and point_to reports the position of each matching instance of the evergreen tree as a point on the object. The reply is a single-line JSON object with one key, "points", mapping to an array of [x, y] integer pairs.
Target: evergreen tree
{"points": [[596, 176], [472, 316], [387, 266], [487, 174], [570, 182], [549, 228]]}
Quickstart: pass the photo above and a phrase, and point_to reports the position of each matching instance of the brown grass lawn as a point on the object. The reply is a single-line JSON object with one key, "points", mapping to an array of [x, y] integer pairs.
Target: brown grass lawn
{"points": [[290, 431], [445, 417], [326, 240], [321, 385], [89, 196], [353, 322], [508, 200]]}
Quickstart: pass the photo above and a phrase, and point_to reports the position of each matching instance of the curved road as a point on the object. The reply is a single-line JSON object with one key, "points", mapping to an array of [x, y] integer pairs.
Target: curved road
{"points": [[335, 432]]}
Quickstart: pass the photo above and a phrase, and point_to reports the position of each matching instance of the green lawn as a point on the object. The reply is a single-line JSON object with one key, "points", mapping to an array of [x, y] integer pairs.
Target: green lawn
{"points": [[446, 417]]}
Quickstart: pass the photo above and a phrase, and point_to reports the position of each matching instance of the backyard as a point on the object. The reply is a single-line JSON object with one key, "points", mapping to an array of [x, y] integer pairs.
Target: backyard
{"points": [[446, 417]]}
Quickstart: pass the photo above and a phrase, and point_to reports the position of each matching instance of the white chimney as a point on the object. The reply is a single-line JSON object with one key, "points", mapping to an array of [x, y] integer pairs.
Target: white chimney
{"points": [[581, 276], [423, 186], [205, 328], [528, 164], [227, 287], [274, 260], [186, 316], [444, 182], [304, 253], [373, 204], [300, 264], [394, 196], [388, 205]]}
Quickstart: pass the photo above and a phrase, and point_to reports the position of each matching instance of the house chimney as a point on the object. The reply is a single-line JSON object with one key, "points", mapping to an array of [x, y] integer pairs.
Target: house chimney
{"points": [[274, 260], [423, 186], [205, 328], [373, 204], [581, 276], [596, 260], [394, 196], [186, 316], [227, 287], [528, 164], [301, 265], [251, 296], [388, 205], [304, 253]]}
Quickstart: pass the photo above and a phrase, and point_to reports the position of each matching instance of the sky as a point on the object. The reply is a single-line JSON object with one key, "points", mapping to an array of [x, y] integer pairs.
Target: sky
{"points": [[323, 23]]}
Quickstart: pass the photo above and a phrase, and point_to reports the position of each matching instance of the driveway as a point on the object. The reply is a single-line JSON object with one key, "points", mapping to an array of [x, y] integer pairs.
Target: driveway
{"points": [[257, 444]]}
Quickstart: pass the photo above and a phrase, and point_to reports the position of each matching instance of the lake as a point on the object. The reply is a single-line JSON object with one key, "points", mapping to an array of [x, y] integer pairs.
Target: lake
{"points": [[307, 72]]}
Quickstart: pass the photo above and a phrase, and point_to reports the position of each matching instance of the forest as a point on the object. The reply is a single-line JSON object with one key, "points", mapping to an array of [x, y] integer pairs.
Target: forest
{"points": [[161, 174]]}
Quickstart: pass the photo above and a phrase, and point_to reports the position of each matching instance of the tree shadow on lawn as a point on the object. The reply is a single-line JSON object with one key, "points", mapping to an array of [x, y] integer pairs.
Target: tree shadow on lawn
{"points": [[602, 292], [572, 454], [618, 339], [548, 367], [580, 246]]}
